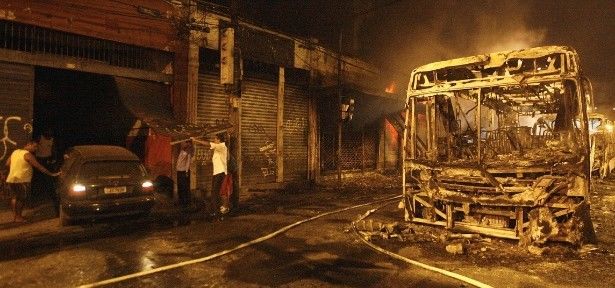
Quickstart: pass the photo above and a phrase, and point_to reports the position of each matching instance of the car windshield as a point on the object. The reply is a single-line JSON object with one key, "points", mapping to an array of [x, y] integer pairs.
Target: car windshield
{"points": [[112, 170]]}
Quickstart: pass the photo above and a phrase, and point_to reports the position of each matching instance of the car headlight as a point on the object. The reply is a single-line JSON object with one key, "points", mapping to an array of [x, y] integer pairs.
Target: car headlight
{"points": [[147, 186], [78, 188]]}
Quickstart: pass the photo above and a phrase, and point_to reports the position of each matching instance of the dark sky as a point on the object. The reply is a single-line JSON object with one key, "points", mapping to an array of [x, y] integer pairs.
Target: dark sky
{"points": [[404, 34]]}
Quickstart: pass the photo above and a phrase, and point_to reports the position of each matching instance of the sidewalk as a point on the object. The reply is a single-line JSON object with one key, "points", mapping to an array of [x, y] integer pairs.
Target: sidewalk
{"points": [[43, 227]]}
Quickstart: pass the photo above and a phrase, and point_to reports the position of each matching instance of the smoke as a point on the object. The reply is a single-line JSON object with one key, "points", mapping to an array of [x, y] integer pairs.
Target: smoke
{"points": [[507, 29], [433, 31], [603, 89]]}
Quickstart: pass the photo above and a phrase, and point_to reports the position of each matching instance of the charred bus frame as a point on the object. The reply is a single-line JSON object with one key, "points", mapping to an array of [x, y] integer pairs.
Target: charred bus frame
{"points": [[498, 144], [602, 145]]}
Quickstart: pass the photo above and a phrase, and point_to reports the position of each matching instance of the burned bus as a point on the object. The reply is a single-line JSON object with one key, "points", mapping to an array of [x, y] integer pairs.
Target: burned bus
{"points": [[498, 144], [602, 145]]}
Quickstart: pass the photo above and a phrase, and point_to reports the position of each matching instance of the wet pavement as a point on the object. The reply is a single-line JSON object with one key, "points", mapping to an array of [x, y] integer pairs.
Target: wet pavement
{"points": [[321, 253], [43, 227], [503, 263]]}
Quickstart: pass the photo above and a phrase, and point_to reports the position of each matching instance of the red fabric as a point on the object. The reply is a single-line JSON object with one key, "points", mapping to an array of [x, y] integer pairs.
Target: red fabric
{"points": [[226, 189], [158, 156]]}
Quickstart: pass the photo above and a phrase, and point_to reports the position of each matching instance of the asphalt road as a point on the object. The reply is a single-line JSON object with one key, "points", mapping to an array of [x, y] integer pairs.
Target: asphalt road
{"points": [[320, 253]]}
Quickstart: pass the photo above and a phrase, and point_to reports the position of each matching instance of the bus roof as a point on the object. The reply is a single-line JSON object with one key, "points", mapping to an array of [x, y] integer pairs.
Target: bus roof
{"points": [[531, 66], [496, 58]]}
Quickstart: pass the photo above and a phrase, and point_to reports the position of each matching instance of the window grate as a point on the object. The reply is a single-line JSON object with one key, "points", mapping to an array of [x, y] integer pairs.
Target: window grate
{"points": [[33, 39]]}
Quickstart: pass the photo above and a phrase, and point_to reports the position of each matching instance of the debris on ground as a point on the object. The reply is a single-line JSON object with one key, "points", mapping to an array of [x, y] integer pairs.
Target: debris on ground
{"points": [[463, 236], [455, 249], [371, 229], [587, 248], [362, 180], [535, 250]]}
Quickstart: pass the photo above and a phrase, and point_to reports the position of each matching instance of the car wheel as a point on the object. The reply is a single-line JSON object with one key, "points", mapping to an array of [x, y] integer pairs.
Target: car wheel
{"points": [[64, 219]]}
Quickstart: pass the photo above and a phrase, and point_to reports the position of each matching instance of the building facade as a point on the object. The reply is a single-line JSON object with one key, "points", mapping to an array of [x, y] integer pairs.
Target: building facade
{"points": [[144, 74]]}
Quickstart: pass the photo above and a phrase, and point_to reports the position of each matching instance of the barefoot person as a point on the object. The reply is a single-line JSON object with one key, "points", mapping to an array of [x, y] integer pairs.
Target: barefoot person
{"points": [[20, 175]]}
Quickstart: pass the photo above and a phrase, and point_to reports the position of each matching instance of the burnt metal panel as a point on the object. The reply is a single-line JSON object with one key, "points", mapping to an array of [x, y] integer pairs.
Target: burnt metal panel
{"points": [[212, 109], [16, 107], [295, 133], [258, 120]]}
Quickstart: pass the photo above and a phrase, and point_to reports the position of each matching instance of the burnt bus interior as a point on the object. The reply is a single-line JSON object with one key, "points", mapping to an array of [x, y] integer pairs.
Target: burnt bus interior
{"points": [[524, 122], [505, 160]]}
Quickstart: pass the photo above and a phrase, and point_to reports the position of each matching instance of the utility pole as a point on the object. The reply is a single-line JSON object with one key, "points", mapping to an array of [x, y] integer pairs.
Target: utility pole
{"points": [[235, 104], [339, 108]]}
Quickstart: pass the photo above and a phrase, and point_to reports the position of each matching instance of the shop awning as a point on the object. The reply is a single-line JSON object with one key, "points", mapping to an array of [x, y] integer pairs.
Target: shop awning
{"points": [[150, 102]]}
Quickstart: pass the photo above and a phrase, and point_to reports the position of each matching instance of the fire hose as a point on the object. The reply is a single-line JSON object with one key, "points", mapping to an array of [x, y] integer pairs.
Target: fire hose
{"points": [[281, 231], [414, 262]]}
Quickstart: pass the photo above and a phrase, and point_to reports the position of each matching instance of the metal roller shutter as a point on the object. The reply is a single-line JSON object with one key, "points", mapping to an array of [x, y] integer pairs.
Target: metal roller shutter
{"points": [[212, 106], [16, 106], [295, 133], [258, 120]]}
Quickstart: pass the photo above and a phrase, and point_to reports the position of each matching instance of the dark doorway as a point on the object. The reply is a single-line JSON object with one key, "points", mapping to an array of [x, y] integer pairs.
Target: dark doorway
{"points": [[80, 108]]}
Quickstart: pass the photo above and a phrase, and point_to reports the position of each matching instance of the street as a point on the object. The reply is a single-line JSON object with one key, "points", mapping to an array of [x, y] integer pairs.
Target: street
{"points": [[320, 253], [324, 252]]}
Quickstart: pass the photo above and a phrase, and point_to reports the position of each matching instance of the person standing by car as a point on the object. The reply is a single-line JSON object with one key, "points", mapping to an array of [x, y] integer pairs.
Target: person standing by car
{"points": [[219, 159], [20, 176], [182, 167]]}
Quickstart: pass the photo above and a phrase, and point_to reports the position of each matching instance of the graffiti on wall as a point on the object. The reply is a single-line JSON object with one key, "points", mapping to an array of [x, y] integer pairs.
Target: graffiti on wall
{"points": [[6, 141], [296, 125], [202, 155], [267, 151]]}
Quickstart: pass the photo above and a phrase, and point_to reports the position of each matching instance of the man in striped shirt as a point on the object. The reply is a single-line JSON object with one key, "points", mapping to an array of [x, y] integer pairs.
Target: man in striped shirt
{"points": [[182, 166]]}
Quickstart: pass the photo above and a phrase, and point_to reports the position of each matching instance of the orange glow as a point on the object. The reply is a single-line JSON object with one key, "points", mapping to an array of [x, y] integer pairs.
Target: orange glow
{"points": [[391, 131], [391, 88]]}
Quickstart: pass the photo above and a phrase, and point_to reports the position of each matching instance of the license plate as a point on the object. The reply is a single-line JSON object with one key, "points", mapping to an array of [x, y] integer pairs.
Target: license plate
{"points": [[115, 190]]}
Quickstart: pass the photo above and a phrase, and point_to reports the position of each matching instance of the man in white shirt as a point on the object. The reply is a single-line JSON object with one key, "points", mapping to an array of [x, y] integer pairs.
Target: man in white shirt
{"points": [[182, 167], [219, 160]]}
